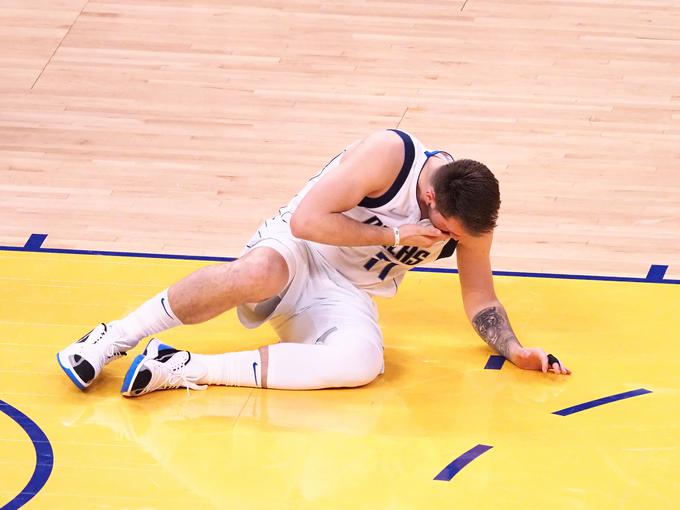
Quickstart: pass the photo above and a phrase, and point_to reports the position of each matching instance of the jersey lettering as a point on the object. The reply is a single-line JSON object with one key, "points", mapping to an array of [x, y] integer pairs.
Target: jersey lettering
{"points": [[417, 258], [409, 255]]}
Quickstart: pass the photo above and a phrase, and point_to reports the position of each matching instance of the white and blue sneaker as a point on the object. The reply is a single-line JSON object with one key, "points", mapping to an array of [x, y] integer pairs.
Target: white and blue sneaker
{"points": [[83, 360], [160, 367]]}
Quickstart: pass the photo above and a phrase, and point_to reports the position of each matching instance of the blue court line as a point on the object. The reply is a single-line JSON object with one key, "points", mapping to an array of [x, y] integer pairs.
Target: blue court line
{"points": [[44, 457], [495, 362], [40, 249], [118, 254], [558, 276], [459, 463], [600, 401]]}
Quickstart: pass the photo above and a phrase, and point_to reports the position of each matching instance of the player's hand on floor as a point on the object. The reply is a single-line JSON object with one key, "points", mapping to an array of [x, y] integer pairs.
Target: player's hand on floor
{"points": [[532, 358]]}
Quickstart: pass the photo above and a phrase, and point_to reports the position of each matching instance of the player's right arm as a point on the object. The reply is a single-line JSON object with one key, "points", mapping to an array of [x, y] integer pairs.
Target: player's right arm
{"points": [[367, 169], [487, 313]]}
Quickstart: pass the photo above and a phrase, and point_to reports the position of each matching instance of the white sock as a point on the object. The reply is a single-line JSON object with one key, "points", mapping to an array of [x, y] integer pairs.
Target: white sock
{"points": [[152, 317], [231, 369]]}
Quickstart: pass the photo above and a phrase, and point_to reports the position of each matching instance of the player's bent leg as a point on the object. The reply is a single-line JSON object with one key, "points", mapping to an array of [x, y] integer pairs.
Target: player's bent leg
{"points": [[260, 274], [212, 290], [348, 361]]}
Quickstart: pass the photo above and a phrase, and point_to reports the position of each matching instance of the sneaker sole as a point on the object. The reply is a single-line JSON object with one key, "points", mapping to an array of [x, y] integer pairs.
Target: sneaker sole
{"points": [[71, 374], [131, 375]]}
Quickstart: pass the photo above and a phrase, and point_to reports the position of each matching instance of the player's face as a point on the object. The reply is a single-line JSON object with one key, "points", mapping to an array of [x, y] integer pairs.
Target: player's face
{"points": [[451, 227]]}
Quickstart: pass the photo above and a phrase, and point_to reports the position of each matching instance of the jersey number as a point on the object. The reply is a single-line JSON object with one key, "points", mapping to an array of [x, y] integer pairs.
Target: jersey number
{"points": [[378, 257]]}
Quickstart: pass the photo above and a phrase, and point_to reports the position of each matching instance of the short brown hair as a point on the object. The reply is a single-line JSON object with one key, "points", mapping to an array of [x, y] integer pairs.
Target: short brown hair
{"points": [[469, 191]]}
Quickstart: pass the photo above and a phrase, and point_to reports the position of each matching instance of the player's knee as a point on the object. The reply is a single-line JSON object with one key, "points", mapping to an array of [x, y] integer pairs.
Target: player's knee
{"points": [[263, 271], [359, 364]]}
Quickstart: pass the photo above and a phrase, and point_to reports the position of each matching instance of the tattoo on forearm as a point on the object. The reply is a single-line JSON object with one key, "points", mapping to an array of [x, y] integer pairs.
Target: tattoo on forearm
{"points": [[493, 326]]}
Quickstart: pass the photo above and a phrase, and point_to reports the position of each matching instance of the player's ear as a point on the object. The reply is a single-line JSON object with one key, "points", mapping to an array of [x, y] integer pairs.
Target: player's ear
{"points": [[430, 196]]}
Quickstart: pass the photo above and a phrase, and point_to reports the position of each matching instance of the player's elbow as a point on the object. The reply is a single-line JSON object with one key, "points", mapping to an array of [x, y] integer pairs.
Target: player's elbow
{"points": [[300, 225], [477, 300]]}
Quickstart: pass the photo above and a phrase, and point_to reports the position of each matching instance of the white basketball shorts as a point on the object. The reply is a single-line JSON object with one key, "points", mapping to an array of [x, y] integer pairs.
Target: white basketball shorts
{"points": [[317, 302]]}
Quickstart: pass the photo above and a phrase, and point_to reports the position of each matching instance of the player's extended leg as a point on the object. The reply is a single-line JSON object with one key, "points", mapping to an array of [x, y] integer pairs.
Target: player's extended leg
{"points": [[333, 324], [204, 294], [341, 357]]}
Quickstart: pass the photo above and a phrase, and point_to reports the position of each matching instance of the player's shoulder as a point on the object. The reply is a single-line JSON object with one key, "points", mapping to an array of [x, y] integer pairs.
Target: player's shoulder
{"points": [[387, 146], [381, 151], [386, 139]]}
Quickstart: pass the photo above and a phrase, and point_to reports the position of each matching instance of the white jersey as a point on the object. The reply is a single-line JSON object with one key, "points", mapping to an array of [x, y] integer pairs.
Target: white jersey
{"points": [[380, 269]]}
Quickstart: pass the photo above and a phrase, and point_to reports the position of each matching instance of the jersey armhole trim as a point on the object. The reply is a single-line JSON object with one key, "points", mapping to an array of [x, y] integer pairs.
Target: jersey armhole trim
{"points": [[409, 156], [448, 249]]}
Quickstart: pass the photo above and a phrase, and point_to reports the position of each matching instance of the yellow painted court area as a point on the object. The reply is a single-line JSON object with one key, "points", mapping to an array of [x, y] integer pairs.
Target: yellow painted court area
{"points": [[377, 447]]}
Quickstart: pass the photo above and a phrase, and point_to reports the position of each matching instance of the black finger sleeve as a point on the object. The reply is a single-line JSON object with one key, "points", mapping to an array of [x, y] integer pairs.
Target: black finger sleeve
{"points": [[552, 359]]}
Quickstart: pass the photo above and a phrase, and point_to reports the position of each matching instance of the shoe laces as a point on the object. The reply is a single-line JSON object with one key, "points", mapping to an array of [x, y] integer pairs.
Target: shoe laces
{"points": [[114, 350], [177, 376], [178, 381]]}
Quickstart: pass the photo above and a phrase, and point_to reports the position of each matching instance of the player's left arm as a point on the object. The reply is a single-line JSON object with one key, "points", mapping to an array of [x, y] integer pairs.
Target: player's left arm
{"points": [[485, 311]]}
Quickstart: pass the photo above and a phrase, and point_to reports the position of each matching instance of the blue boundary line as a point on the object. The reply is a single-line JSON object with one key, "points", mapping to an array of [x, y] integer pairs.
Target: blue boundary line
{"points": [[118, 254], [601, 401], [557, 276], [446, 474], [34, 244], [44, 457]]}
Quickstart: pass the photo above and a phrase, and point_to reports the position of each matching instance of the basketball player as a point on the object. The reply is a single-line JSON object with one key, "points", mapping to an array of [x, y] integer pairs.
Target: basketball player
{"points": [[381, 207]]}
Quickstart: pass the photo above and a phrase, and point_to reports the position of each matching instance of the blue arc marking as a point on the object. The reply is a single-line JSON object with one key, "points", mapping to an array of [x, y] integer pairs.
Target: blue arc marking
{"points": [[600, 401], [452, 469], [44, 457]]}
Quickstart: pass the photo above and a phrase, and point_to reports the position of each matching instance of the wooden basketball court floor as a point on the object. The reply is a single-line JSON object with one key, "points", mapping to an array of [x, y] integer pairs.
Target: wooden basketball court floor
{"points": [[140, 139]]}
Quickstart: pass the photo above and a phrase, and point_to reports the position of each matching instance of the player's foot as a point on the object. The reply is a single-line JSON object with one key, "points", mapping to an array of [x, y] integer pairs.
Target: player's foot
{"points": [[160, 367], [83, 360]]}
